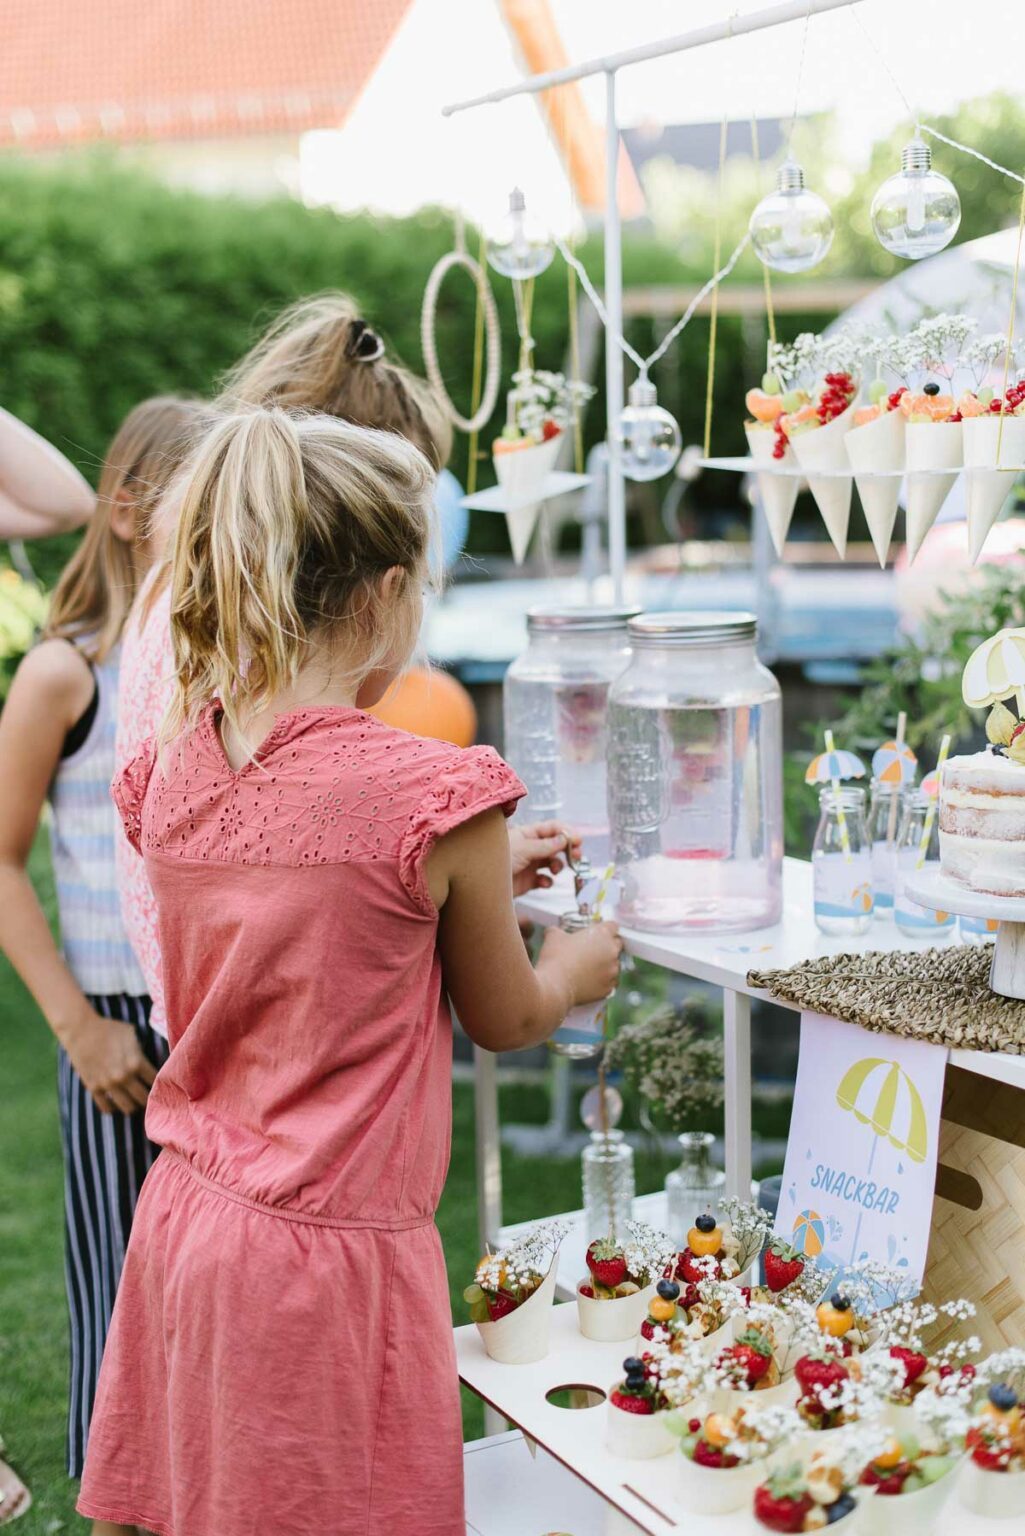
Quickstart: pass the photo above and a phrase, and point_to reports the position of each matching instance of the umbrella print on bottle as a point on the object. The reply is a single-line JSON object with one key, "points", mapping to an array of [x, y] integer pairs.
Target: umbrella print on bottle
{"points": [[880, 1094]]}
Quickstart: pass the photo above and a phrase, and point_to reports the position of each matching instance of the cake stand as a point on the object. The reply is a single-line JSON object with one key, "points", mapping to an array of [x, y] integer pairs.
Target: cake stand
{"points": [[933, 889]]}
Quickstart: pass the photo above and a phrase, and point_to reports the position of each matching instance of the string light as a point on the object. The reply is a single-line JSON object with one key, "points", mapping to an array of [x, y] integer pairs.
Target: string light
{"points": [[520, 248], [649, 436], [917, 212], [791, 229]]}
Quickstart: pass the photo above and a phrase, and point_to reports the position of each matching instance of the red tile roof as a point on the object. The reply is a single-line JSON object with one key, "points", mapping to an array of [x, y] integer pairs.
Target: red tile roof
{"points": [[74, 71]]}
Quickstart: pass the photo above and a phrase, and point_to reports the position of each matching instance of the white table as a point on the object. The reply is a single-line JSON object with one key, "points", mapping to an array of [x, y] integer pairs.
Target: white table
{"points": [[515, 1488], [721, 960]]}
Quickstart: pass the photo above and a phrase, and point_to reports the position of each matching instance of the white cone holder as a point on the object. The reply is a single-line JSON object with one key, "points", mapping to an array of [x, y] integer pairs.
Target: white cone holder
{"points": [[933, 456], [877, 449], [902, 1419], [993, 1495], [521, 474], [521, 1337], [612, 1321], [777, 494], [719, 1490], [911, 1514], [989, 487], [637, 1436], [821, 454]]}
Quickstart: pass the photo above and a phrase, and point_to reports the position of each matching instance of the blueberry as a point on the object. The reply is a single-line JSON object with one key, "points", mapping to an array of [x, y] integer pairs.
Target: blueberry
{"points": [[705, 1223], [840, 1301], [633, 1366], [668, 1290], [931, 389], [1003, 1397], [842, 1506], [636, 1383]]}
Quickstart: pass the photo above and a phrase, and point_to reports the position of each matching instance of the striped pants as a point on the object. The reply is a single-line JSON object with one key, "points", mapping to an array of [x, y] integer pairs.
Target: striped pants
{"points": [[106, 1158]]}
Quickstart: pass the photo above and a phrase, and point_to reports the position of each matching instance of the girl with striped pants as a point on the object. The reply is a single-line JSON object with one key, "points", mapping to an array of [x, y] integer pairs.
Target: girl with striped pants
{"points": [[57, 743]]}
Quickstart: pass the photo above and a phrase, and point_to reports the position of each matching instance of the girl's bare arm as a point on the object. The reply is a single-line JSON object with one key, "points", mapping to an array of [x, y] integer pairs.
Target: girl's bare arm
{"points": [[41, 492]]}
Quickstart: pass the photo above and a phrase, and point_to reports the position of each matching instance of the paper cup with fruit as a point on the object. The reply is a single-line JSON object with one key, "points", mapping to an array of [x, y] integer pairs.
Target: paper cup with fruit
{"points": [[749, 1369], [810, 1496], [933, 454], [768, 446], [904, 1366], [724, 1456], [913, 1478], [993, 435], [875, 449], [724, 1250], [637, 1410], [614, 1296], [993, 1481], [816, 433], [704, 1316], [511, 1297]]}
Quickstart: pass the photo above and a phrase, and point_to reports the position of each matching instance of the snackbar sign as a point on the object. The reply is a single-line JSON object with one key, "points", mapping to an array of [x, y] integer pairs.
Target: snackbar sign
{"points": [[860, 1168]]}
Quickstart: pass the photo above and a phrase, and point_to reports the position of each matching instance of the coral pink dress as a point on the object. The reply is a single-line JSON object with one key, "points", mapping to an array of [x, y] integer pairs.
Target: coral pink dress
{"points": [[281, 1354]]}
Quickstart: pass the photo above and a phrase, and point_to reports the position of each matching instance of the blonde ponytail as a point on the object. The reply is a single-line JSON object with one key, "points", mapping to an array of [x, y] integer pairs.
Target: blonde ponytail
{"points": [[287, 523]]}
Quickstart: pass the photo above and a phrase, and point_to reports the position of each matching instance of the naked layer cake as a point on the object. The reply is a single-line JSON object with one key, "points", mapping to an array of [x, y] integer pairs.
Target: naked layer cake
{"points": [[982, 822]]}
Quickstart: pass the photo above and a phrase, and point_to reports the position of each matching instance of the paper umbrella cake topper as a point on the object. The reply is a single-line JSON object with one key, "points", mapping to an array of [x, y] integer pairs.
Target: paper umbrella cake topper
{"points": [[995, 671]]}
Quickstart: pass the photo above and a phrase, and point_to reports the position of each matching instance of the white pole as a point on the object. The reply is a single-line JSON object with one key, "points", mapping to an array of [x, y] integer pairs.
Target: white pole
{"points": [[733, 26], [613, 352]]}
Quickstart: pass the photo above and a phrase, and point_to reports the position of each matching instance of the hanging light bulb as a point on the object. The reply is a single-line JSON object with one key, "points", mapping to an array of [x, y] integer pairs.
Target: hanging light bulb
{"points": [[792, 228], [520, 248], [917, 212], [649, 437]]}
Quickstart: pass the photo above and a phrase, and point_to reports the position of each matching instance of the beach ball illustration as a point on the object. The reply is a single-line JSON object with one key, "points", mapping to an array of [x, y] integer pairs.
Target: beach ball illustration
{"points": [[861, 896], [882, 1096], [809, 1233]]}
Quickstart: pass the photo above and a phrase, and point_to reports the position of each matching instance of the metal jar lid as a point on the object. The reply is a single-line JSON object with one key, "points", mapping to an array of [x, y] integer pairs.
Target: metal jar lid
{"points": [[679, 629], [578, 620]]}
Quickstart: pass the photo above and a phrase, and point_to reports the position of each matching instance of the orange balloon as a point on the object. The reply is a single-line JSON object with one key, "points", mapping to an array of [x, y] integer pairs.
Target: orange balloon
{"points": [[428, 703]]}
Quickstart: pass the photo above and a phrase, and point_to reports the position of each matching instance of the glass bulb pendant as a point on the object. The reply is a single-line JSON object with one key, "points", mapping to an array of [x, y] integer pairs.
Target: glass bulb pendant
{"points": [[649, 437], [520, 247], [917, 212], [791, 229]]}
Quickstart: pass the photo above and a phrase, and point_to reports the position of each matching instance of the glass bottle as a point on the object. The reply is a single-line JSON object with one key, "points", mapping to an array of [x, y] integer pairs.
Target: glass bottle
{"points": [[607, 1165], [841, 865], [884, 812], [914, 921], [695, 776], [977, 930], [582, 1032], [554, 700], [695, 1186]]}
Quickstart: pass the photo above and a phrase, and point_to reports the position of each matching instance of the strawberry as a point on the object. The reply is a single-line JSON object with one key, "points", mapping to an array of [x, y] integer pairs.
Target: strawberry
{"points": [[500, 1305], [815, 1373], [781, 1504], [587, 1290], [629, 1403], [993, 1455], [606, 1262], [712, 1455], [782, 1265], [914, 1364], [549, 430], [889, 1480], [690, 1268], [690, 1298], [648, 1329], [750, 1358]]}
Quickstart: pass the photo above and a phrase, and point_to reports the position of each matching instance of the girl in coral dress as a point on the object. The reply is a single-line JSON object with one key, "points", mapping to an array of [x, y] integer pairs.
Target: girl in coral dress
{"points": [[281, 1353]]}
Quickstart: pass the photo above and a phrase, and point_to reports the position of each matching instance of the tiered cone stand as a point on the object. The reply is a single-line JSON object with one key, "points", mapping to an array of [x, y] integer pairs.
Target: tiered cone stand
{"points": [[821, 454], [876, 454], [989, 486], [933, 458], [777, 493]]}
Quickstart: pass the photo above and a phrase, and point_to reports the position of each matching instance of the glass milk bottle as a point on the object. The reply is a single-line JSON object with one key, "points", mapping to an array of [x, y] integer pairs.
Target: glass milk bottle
{"points": [[884, 813], [977, 930], [914, 921], [555, 697], [841, 864], [695, 776], [582, 1032]]}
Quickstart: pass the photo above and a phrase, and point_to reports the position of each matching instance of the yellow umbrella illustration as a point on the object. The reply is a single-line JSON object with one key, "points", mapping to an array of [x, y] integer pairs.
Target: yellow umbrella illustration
{"points": [[995, 670], [881, 1095]]}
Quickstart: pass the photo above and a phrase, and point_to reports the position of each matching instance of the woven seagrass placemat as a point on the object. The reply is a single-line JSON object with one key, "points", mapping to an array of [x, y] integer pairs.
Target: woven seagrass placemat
{"points": [[939, 995]]}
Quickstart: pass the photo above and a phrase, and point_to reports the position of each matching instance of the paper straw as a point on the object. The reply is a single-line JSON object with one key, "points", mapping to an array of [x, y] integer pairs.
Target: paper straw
{"points": [[603, 891], [841, 819], [891, 826], [930, 815]]}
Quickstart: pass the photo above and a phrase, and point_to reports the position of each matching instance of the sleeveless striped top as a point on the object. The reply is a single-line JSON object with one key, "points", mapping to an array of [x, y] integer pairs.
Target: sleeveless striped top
{"points": [[82, 842]]}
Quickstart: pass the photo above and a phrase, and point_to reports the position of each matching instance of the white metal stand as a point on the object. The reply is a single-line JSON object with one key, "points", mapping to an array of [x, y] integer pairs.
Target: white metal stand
{"points": [[700, 37], [933, 889]]}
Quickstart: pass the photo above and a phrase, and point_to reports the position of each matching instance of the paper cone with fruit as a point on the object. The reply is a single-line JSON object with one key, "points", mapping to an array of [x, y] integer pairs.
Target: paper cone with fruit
{"points": [[875, 449], [933, 453], [992, 436], [816, 432], [522, 465], [767, 442]]}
